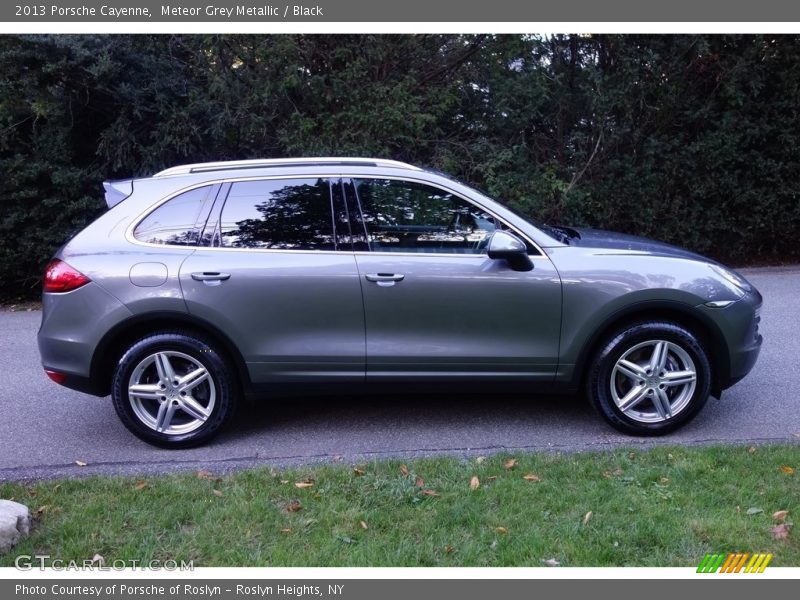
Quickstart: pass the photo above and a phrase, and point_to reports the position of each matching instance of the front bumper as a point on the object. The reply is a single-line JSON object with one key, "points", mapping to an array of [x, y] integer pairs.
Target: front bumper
{"points": [[738, 325]]}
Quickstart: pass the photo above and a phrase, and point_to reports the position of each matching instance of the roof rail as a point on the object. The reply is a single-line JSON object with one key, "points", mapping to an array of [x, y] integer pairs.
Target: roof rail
{"points": [[283, 162]]}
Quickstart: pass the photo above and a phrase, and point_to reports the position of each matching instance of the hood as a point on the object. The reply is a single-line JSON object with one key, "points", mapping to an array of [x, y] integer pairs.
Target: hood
{"points": [[597, 238]]}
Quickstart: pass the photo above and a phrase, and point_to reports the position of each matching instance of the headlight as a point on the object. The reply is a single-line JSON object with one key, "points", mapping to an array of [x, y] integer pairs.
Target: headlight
{"points": [[732, 277]]}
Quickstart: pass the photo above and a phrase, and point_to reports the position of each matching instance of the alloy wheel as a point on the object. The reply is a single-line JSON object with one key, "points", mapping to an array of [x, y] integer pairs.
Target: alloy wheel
{"points": [[653, 381], [171, 393]]}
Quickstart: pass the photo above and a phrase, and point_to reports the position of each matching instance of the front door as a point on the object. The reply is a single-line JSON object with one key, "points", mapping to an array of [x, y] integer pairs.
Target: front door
{"points": [[436, 306]]}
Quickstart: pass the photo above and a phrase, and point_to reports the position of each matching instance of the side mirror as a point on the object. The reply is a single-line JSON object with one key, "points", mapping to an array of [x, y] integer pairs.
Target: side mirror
{"points": [[508, 247]]}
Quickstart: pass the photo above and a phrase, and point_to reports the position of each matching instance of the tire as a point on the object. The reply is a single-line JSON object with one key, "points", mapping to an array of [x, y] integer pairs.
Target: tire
{"points": [[159, 402], [639, 400]]}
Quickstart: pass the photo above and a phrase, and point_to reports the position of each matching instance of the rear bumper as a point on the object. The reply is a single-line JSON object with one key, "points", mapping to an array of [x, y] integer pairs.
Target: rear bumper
{"points": [[83, 384], [73, 323]]}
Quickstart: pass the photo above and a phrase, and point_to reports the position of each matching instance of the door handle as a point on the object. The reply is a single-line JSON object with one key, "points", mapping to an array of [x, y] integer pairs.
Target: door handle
{"points": [[384, 277], [210, 276]]}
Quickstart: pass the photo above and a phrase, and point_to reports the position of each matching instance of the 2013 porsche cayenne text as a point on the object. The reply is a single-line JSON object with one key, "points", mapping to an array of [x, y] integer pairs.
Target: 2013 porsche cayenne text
{"points": [[207, 283]]}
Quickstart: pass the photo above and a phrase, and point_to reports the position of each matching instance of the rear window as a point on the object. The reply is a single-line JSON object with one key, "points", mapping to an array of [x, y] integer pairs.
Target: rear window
{"points": [[175, 222]]}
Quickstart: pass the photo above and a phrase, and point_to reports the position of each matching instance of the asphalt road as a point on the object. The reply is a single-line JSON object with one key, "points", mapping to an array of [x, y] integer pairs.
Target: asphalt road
{"points": [[45, 428]]}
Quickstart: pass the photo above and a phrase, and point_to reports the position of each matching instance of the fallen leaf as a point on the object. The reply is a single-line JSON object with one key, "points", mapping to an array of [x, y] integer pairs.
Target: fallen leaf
{"points": [[631, 455], [480, 460], [586, 517], [787, 469], [429, 493], [738, 509], [449, 549], [753, 510], [337, 458], [781, 532], [41, 510], [780, 515], [140, 485], [81, 463], [751, 450], [474, 483], [99, 560], [419, 482], [670, 457], [363, 524], [294, 506], [510, 463], [218, 493], [607, 474], [663, 480], [502, 530], [531, 477], [203, 474], [551, 562], [31, 492], [284, 481], [358, 471], [304, 484], [491, 478], [57, 487], [286, 530], [404, 470]]}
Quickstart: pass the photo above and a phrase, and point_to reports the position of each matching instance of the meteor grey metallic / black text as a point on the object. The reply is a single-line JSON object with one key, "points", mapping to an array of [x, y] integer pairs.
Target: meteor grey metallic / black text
{"points": [[210, 282]]}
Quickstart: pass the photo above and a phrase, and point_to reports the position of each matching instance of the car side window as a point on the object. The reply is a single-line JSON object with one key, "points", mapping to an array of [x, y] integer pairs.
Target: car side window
{"points": [[407, 216], [175, 222], [282, 214]]}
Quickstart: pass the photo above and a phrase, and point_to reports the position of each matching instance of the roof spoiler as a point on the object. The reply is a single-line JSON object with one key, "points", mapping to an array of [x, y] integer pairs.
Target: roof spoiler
{"points": [[117, 191]]}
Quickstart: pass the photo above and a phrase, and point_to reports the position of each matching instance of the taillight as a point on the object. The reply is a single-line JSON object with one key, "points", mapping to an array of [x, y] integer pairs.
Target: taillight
{"points": [[60, 277], [56, 376]]}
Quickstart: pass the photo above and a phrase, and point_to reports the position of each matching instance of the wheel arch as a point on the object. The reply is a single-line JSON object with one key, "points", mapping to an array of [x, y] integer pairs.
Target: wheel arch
{"points": [[682, 314], [120, 337]]}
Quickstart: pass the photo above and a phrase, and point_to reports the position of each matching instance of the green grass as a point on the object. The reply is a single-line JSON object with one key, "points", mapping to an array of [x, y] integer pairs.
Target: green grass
{"points": [[661, 507]]}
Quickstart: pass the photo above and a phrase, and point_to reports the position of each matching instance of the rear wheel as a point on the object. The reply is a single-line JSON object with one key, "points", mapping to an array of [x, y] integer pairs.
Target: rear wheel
{"points": [[650, 378], [173, 389]]}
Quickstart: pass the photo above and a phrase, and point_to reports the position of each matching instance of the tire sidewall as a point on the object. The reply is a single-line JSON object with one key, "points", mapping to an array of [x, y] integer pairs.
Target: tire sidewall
{"points": [[621, 342], [200, 351]]}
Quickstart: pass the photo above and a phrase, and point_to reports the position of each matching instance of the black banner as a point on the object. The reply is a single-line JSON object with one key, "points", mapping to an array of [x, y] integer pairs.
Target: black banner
{"points": [[440, 11], [730, 588]]}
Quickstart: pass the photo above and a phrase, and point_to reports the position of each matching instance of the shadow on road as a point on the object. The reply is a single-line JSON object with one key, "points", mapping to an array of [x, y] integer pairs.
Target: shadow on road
{"points": [[447, 412]]}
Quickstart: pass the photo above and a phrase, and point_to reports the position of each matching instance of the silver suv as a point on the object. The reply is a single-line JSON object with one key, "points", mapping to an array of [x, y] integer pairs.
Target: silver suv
{"points": [[210, 282]]}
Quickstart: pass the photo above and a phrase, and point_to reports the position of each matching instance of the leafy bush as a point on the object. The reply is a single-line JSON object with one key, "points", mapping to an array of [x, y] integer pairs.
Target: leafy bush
{"points": [[689, 139]]}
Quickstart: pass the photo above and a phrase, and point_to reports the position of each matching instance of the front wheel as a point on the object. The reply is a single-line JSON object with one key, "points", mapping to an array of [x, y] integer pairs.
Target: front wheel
{"points": [[173, 389], [650, 378]]}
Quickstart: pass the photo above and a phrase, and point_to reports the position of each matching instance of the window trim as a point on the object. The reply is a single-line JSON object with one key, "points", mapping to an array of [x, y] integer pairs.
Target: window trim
{"points": [[216, 214], [343, 176]]}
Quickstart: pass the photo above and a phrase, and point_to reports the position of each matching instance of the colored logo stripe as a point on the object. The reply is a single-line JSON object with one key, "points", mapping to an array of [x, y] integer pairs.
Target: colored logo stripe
{"points": [[734, 562]]}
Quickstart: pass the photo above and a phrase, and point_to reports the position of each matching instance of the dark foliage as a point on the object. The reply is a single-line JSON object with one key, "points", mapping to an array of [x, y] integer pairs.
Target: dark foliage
{"points": [[689, 139]]}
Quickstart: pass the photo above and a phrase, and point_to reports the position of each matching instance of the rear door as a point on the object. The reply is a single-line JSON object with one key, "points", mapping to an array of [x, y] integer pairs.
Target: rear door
{"points": [[436, 306], [275, 274]]}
